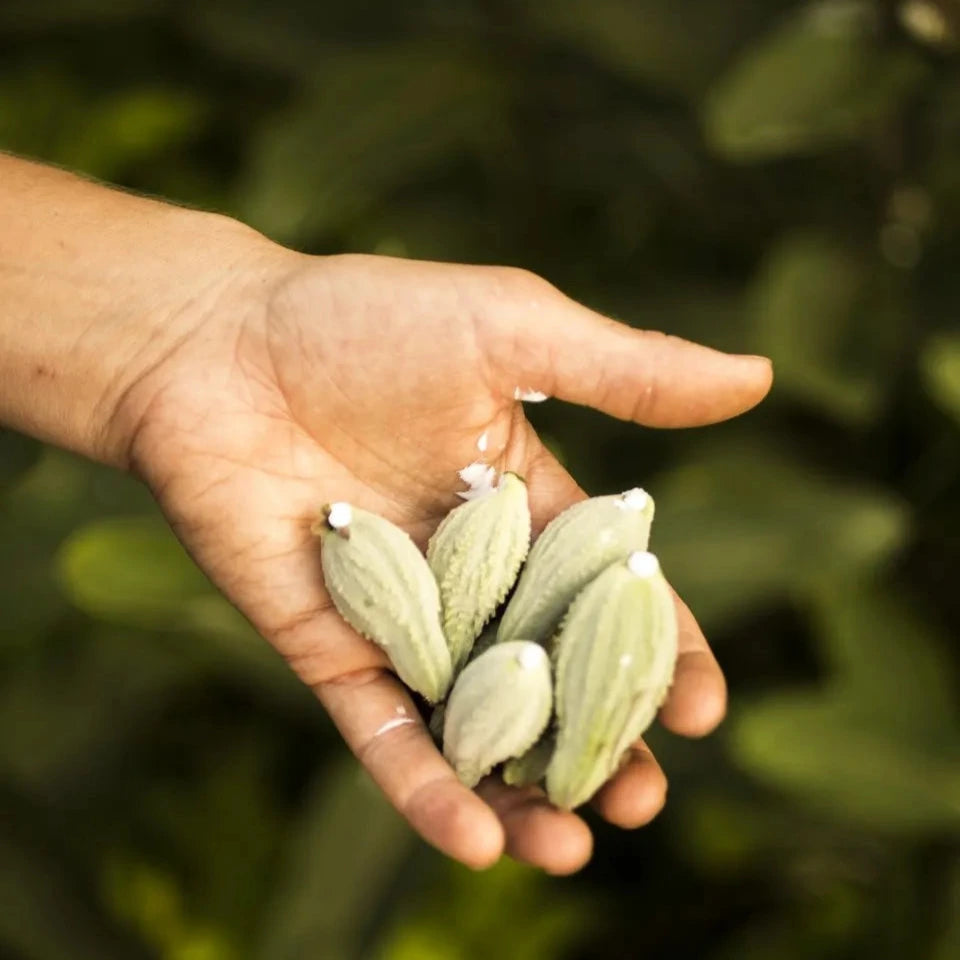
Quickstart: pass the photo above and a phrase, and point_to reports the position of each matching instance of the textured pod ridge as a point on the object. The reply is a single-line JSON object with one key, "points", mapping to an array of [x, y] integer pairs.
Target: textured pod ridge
{"points": [[498, 708], [615, 657], [382, 586], [575, 547], [475, 555]]}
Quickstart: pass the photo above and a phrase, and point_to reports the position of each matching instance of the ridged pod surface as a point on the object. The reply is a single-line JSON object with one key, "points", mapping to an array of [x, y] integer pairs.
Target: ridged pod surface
{"points": [[497, 709], [574, 548], [475, 555], [615, 657], [382, 586]]}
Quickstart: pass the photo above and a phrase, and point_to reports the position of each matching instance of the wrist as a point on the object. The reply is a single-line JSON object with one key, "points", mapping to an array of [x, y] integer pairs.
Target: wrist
{"points": [[222, 273], [98, 289]]}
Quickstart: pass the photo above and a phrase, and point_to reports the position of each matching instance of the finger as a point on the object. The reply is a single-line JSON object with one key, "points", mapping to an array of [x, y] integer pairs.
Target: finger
{"points": [[697, 700], [537, 833], [554, 345], [636, 794], [383, 728]]}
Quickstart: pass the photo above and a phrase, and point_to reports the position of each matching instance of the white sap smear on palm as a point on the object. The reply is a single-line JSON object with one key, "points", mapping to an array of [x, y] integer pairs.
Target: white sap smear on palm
{"points": [[482, 442], [481, 479]]}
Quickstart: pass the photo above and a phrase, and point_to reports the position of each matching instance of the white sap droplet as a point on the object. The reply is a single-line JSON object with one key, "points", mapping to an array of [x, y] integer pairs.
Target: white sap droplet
{"points": [[339, 515], [482, 442], [473, 473], [529, 396], [643, 564], [635, 499], [531, 656], [625, 660]]}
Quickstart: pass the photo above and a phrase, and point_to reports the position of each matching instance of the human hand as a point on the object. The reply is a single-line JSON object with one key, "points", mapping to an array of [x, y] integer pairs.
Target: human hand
{"points": [[370, 379]]}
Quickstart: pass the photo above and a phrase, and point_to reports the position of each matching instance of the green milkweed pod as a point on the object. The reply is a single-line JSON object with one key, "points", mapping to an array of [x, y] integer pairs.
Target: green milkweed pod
{"points": [[497, 709], [574, 548], [381, 585], [531, 768], [475, 555], [615, 658]]}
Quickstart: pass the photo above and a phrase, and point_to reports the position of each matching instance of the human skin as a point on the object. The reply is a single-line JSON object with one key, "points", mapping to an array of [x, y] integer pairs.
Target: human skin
{"points": [[247, 384]]}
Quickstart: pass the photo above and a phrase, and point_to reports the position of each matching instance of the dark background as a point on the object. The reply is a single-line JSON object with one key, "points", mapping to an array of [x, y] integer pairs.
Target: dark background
{"points": [[764, 176]]}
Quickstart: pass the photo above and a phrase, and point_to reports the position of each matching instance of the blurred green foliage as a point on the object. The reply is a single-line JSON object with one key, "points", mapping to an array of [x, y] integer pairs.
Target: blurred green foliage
{"points": [[762, 175]]}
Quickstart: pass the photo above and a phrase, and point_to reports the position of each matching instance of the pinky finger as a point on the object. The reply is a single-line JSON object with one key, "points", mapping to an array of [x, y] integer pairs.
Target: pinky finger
{"points": [[382, 726]]}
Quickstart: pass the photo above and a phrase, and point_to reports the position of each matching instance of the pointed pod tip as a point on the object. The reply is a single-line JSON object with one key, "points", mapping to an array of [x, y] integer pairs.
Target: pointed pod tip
{"points": [[339, 515], [634, 499], [531, 656]]}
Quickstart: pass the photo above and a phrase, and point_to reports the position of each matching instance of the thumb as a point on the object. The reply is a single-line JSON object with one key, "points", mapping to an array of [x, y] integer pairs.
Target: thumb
{"points": [[566, 350]]}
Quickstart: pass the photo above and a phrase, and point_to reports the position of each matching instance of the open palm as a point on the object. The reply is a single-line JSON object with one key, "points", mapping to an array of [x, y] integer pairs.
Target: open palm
{"points": [[370, 380]]}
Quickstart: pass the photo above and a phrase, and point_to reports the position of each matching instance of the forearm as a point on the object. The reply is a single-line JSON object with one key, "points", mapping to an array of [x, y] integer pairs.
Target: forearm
{"points": [[96, 287]]}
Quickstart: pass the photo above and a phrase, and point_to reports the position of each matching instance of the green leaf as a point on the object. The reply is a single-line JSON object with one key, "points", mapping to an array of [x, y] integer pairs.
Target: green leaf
{"points": [[48, 913], [17, 455], [879, 744], [742, 523], [674, 47], [132, 126], [131, 570], [822, 751], [820, 79], [829, 327], [75, 712], [318, 910], [892, 667], [940, 366], [373, 120]]}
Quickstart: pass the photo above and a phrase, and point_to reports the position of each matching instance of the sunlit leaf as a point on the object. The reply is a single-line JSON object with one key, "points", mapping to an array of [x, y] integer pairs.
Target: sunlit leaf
{"points": [[671, 46], [317, 910], [543, 922], [822, 78], [131, 570], [150, 901], [130, 127], [740, 524], [878, 744], [371, 120], [940, 364], [892, 667], [833, 338], [820, 750]]}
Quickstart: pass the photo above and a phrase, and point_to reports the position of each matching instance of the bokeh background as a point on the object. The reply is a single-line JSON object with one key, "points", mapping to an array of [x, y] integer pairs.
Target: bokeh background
{"points": [[761, 175]]}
